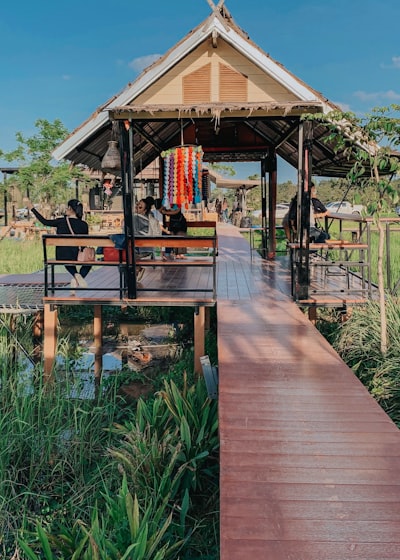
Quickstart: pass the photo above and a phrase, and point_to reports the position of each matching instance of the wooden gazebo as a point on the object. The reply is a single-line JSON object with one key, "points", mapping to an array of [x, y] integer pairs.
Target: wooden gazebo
{"points": [[218, 90]]}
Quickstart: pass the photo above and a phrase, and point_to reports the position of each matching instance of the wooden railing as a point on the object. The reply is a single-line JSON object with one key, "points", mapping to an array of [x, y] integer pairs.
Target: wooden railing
{"points": [[205, 248]]}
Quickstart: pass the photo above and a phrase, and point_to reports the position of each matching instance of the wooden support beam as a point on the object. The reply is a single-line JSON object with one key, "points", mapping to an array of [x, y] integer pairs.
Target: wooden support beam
{"points": [[98, 341], [312, 315], [50, 340], [207, 318], [199, 338], [37, 336], [272, 199]]}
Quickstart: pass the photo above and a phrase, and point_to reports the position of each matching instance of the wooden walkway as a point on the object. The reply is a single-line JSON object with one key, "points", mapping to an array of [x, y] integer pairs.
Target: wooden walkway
{"points": [[310, 464]]}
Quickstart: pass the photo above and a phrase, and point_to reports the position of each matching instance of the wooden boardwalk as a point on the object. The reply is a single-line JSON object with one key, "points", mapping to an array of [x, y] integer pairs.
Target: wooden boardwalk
{"points": [[310, 464]]}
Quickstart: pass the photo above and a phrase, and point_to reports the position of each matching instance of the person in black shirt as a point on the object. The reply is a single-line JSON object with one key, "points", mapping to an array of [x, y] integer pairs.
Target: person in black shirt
{"points": [[317, 210], [73, 217], [177, 226]]}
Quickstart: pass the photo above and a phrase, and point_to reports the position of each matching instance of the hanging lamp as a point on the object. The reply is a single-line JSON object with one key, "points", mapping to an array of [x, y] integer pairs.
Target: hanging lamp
{"points": [[111, 162]]}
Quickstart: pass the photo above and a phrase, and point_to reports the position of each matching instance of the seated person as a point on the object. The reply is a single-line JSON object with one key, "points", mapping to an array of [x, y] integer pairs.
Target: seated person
{"points": [[144, 223], [177, 226], [317, 210]]}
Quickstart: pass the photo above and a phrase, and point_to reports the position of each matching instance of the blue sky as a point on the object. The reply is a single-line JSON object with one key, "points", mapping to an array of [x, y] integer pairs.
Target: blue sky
{"points": [[64, 60]]}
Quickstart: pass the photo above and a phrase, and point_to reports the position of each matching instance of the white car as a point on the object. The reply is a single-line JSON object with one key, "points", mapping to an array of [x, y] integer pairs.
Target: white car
{"points": [[21, 213], [281, 210], [345, 207]]}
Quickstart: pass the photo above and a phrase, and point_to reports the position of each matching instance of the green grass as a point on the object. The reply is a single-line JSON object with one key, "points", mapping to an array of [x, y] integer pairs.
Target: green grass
{"points": [[20, 256]]}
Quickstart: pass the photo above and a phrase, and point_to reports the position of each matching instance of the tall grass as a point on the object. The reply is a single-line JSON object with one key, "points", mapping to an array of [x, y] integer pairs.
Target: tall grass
{"points": [[146, 497], [358, 343], [103, 478], [20, 256]]}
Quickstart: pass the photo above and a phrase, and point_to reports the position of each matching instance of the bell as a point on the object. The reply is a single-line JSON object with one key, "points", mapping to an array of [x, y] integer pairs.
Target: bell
{"points": [[111, 162]]}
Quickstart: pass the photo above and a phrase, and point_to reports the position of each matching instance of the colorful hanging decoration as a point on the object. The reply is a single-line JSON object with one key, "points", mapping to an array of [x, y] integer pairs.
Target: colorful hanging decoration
{"points": [[182, 182]]}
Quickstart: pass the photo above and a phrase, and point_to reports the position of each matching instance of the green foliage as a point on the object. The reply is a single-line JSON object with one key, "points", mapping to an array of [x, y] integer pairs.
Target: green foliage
{"points": [[20, 256], [226, 170], [369, 142], [358, 343], [100, 479], [167, 454], [45, 180]]}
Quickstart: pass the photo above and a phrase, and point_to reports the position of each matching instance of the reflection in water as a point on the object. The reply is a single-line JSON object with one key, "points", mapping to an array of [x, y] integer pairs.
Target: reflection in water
{"points": [[134, 347]]}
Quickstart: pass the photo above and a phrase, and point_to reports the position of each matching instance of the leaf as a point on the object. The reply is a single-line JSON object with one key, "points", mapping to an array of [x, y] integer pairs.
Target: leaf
{"points": [[132, 512], [141, 543], [184, 508], [44, 541], [185, 433], [127, 554], [28, 551]]}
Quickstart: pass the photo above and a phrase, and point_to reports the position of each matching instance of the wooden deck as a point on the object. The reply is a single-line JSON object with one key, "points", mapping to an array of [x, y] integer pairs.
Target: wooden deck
{"points": [[309, 461], [310, 464]]}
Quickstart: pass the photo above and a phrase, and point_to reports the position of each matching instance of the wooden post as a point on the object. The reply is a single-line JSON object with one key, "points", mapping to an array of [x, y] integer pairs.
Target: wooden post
{"points": [[199, 337], [207, 318], [272, 197], [37, 336], [98, 341], [50, 340], [312, 315]]}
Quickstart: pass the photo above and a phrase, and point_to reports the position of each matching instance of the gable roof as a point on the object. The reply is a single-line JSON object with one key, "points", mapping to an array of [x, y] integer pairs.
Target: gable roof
{"points": [[259, 108]]}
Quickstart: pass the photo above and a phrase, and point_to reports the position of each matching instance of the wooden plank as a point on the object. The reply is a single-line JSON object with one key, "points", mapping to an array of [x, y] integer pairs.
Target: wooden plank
{"points": [[309, 461]]}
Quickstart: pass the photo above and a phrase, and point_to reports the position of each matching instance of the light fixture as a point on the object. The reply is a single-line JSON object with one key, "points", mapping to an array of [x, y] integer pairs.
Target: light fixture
{"points": [[111, 162]]}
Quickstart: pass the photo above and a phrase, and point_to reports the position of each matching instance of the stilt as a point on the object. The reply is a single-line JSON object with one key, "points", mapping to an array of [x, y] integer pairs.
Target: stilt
{"points": [[207, 318], [125, 338], [98, 341], [312, 314], [199, 346], [37, 336], [50, 340]]}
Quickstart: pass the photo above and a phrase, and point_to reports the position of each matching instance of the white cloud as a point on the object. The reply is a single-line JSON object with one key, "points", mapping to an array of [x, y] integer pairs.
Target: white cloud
{"points": [[140, 63], [396, 61], [377, 96], [394, 64], [345, 107]]}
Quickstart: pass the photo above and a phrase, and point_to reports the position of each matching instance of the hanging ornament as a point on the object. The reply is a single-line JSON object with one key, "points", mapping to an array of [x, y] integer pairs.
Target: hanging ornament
{"points": [[111, 162], [182, 174]]}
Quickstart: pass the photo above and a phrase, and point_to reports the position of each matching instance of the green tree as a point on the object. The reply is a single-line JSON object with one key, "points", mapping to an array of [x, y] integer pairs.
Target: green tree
{"points": [[370, 143], [46, 180], [225, 170]]}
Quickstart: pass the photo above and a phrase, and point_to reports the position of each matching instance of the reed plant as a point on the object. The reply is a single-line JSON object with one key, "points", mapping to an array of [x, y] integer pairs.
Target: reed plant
{"points": [[358, 343], [52, 452], [101, 478], [166, 459]]}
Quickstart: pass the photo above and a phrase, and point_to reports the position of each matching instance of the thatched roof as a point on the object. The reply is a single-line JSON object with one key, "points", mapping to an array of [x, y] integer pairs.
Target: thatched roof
{"points": [[264, 116]]}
